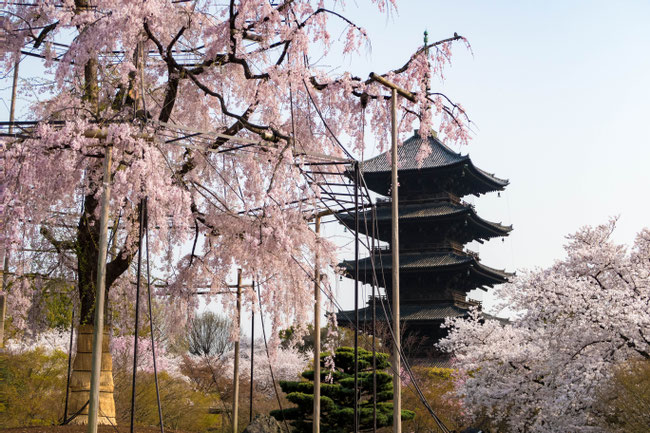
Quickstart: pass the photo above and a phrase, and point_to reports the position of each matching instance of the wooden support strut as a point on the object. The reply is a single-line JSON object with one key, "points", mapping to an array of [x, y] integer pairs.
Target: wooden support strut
{"points": [[402, 92]]}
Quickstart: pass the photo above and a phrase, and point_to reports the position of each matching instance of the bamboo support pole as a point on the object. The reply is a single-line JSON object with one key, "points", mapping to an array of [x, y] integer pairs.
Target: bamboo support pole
{"points": [[98, 329]]}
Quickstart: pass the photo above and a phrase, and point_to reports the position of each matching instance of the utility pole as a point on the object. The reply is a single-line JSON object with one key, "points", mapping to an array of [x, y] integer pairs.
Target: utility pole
{"points": [[316, 421], [98, 329], [397, 392], [374, 330], [235, 385], [356, 298], [397, 385]]}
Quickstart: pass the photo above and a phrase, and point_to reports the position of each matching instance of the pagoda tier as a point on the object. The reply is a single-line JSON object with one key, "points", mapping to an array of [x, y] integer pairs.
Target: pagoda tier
{"points": [[427, 222], [432, 275], [421, 322], [442, 170]]}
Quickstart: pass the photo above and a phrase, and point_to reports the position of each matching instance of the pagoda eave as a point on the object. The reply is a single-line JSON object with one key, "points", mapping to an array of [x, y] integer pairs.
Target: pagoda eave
{"points": [[462, 178], [423, 314], [430, 263], [414, 216]]}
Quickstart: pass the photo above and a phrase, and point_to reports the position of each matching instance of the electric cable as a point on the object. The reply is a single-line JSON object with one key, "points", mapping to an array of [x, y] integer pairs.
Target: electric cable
{"points": [[268, 356], [153, 346], [137, 314]]}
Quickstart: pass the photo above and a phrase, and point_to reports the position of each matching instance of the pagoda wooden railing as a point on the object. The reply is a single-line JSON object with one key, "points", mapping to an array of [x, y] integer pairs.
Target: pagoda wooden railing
{"points": [[461, 300], [447, 246], [440, 196]]}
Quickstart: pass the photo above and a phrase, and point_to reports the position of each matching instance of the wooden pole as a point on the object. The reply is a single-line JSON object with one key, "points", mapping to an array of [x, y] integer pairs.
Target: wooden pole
{"points": [[235, 376], [374, 331], [356, 298], [316, 417], [5, 260], [98, 330], [397, 392], [397, 395]]}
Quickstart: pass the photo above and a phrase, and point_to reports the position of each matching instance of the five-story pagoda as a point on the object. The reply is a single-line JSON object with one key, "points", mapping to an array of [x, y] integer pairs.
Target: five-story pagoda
{"points": [[436, 271]]}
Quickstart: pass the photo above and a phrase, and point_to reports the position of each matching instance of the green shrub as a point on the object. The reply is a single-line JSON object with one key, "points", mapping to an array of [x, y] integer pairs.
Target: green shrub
{"points": [[337, 398], [183, 407], [32, 388]]}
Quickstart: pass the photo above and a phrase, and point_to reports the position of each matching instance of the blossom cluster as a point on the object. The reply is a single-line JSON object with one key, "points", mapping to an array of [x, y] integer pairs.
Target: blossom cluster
{"points": [[575, 323]]}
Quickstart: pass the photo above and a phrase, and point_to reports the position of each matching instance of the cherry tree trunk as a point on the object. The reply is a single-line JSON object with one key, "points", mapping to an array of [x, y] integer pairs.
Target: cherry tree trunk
{"points": [[80, 380]]}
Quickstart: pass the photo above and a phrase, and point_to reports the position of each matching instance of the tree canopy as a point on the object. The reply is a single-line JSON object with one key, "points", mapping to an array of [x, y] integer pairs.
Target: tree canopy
{"points": [[212, 110], [577, 322]]}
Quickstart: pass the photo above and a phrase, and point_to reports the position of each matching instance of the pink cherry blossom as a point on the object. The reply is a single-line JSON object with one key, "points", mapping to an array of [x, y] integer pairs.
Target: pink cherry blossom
{"points": [[575, 321], [242, 69]]}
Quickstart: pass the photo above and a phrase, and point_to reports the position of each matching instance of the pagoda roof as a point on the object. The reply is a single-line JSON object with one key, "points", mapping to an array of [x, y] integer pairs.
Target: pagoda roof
{"points": [[438, 311], [429, 262], [429, 210], [440, 158]]}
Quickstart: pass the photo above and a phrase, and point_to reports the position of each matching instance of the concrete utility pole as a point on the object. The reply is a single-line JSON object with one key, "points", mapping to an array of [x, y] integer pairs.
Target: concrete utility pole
{"points": [[235, 385], [98, 329], [397, 385], [316, 421]]}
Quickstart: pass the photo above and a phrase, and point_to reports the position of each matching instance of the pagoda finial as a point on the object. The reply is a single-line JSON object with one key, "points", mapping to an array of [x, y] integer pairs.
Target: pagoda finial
{"points": [[426, 42]]}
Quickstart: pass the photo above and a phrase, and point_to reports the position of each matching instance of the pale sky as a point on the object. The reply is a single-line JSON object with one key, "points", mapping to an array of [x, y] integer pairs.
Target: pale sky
{"points": [[560, 94]]}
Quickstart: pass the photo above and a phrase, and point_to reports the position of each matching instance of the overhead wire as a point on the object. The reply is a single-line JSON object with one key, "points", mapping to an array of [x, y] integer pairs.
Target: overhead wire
{"points": [[268, 356], [402, 354]]}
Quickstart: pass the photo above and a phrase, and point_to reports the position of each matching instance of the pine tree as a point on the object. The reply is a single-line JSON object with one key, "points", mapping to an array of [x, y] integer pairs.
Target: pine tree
{"points": [[337, 395]]}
